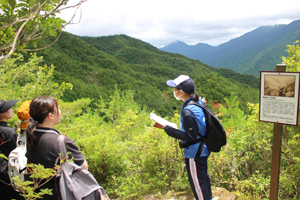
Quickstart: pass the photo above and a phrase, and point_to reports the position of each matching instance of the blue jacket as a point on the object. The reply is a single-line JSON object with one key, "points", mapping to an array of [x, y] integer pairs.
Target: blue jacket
{"points": [[192, 118]]}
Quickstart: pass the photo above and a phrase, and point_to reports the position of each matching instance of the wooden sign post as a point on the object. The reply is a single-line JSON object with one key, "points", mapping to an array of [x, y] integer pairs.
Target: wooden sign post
{"points": [[279, 104], [276, 156], [276, 153]]}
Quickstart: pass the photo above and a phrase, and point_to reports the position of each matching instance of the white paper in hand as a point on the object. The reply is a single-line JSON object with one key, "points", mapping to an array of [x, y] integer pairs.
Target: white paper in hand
{"points": [[161, 120]]}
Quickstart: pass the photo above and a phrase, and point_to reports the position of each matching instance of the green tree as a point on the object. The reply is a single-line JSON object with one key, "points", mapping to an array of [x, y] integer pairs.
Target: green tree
{"points": [[231, 114], [26, 81], [29, 189], [293, 60], [290, 162], [32, 21]]}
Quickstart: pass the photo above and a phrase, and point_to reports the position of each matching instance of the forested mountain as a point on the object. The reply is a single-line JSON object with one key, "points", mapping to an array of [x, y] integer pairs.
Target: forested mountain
{"points": [[255, 51], [97, 65]]}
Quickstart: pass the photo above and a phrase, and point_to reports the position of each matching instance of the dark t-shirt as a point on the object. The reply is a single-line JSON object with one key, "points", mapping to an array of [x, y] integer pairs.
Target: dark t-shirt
{"points": [[8, 139], [46, 153]]}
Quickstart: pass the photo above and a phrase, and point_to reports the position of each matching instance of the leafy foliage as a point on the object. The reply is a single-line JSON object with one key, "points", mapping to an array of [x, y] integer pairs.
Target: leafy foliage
{"points": [[212, 88], [129, 158], [25, 81], [30, 189], [95, 65], [29, 21], [293, 59], [28, 80]]}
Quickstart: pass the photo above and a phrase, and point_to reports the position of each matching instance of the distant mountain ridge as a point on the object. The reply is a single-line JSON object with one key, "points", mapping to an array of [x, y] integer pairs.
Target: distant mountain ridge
{"points": [[255, 51]]}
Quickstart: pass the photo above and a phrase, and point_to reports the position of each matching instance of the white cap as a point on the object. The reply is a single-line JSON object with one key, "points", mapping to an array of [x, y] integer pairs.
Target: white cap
{"points": [[177, 81]]}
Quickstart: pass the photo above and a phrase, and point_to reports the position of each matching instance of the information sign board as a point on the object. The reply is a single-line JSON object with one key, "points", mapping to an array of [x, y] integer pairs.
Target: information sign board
{"points": [[279, 97]]}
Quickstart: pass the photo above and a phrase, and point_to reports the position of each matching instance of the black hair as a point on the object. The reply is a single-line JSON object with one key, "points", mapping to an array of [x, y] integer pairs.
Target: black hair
{"points": [[39, 109], [195, 97]]}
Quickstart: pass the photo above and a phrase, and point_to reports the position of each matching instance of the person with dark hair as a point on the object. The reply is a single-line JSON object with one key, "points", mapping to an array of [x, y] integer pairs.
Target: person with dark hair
{"points": [[192, 123], [8, 138], [42, 146]]}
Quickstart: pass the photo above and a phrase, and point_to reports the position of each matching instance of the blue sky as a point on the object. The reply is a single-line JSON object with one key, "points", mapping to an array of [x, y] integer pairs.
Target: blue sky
{"points": [[161, 22]]}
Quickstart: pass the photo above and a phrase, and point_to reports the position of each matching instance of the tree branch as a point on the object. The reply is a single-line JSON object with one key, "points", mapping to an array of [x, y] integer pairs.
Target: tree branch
{"points": [[14, 43], [43, 47], [34, 31]]}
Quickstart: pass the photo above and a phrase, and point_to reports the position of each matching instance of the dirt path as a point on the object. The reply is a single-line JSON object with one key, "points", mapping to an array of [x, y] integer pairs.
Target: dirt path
{"points": [[218, 194]]}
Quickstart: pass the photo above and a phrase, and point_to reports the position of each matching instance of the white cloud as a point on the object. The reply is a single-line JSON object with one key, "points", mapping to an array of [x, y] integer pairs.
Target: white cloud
{"points": [[160, 22]]}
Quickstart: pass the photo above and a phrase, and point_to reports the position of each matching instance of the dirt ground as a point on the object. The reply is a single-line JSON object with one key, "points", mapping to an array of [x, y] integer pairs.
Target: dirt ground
{"points": [[218, 194]]}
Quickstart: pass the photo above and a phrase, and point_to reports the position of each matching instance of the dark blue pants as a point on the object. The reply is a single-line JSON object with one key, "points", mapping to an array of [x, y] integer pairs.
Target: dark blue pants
{"points": [[198, 177]]}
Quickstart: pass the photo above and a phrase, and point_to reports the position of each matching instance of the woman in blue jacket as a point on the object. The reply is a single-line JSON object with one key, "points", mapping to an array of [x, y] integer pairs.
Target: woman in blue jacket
{"points": [[192, 122]]}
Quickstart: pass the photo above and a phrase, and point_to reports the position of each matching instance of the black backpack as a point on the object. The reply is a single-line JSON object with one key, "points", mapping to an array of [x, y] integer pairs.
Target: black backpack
{"points": [[215, 136]]}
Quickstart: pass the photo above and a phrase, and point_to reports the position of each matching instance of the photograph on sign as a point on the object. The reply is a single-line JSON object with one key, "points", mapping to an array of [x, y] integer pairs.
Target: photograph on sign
{"points": [[279, 97]]}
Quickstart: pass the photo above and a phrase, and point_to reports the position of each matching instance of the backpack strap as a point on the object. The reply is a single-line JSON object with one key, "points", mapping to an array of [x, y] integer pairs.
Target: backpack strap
{"points": [[201, 139], [192, 102], [2, 129], [62, 148]]}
